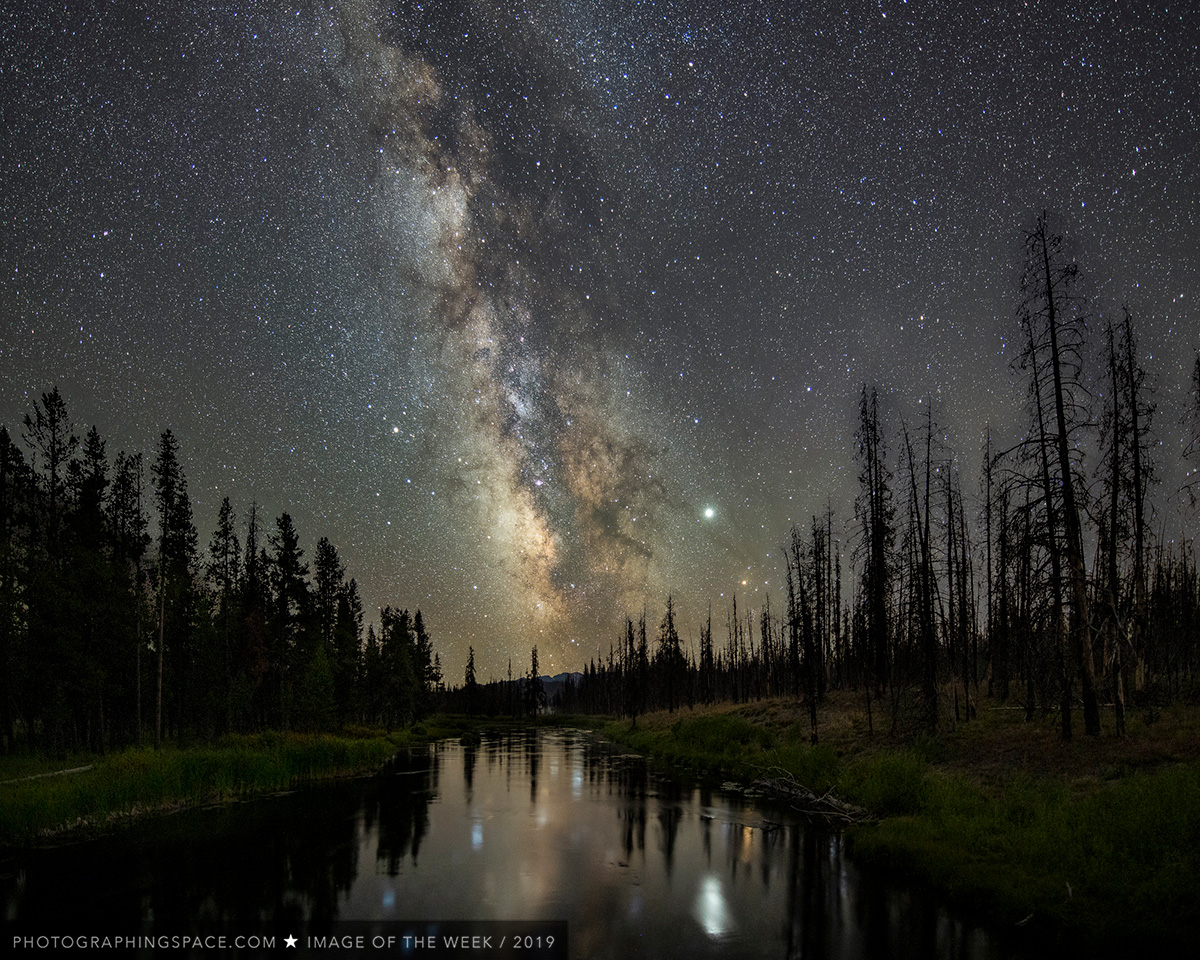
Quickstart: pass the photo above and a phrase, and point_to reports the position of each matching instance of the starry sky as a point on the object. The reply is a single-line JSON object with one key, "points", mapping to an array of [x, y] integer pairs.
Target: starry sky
{"points": [[542, 311]]}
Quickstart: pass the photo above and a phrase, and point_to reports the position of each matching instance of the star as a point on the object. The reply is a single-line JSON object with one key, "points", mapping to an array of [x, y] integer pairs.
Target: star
{"points": [[290, 941], [477, 285]]}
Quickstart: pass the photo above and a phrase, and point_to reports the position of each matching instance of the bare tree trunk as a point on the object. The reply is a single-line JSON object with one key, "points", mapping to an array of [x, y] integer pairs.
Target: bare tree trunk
{"points": [[1081, 625]]}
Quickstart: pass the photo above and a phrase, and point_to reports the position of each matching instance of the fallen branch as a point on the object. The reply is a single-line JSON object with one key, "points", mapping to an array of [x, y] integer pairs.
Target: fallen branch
{"points": [[52, 773], [826, 806]]}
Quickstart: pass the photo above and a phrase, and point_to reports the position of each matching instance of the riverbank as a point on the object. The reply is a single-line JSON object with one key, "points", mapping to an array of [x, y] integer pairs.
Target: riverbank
{"points": [[44, 800], [1091, 845], [52, 800]]}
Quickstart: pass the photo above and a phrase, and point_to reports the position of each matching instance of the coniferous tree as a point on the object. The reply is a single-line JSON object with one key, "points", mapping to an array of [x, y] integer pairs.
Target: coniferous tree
{"points": [[470, 684], [427, 668], [85, 561], [670, 658], [224, 574], [51, 438], [16, 655], [348, 668], [177, 558], [253, 694], [53, 446], [374, 680], [535, 690], [128, 530], [329, 577], [401, 667], [288, 651]]}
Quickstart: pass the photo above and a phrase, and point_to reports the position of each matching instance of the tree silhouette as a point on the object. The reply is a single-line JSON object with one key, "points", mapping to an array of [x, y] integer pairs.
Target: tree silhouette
{"points": [[1051, 314]]}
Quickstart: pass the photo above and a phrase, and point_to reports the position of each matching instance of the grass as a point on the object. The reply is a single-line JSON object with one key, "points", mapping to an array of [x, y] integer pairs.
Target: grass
{"points": [[134, 782], [120, 786], [1092, 842]]}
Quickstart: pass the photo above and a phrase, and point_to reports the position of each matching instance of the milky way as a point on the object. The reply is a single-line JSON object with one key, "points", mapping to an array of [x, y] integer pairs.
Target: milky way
{"points": [[543, 311]]}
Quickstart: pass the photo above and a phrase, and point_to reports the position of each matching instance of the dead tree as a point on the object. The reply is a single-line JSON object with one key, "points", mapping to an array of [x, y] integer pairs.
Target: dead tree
{"points": [[1052, 316]]}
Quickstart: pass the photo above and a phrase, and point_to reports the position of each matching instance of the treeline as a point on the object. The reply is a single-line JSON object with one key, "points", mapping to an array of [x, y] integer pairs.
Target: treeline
{"points": [[117, 632], [1048, 588]]}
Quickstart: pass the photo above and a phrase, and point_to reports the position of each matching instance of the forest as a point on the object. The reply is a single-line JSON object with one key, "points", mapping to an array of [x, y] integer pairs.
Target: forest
{"points": [[1048, 590], [112, 636]]}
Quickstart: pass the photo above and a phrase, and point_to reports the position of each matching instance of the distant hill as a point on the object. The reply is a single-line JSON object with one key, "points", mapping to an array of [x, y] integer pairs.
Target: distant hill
{"points": [[554, 685]]}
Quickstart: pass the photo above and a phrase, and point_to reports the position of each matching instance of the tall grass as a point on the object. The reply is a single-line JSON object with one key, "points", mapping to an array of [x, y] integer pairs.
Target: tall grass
{"points": [[136, 781], [1119, 863], [723, 743], [1107, 863]]}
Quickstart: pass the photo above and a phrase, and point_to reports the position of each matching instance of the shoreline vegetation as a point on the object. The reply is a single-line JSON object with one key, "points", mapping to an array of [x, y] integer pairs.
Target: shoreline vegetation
{"points": [[46, 800], [1093, 845], [41, 803]]}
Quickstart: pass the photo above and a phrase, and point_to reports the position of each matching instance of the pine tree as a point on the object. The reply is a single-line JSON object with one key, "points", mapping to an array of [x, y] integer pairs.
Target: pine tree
{"points": [[535, 691], [53, 639], [90, 609], [254, 696], [670, 657], [51, 439], [223, 574], [128, 525], [470, 685], [16, 664], [426, 667], [288, 651], [177, 557], [347, 650]]}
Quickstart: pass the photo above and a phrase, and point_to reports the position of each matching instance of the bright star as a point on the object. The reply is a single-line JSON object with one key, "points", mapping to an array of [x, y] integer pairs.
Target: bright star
{"points": [[709, 512]]}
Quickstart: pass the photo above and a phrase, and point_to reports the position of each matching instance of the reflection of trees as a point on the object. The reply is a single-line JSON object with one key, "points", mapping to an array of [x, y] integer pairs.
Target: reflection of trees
{"points": [[285, 858], [533, 755], [469, 770], [810, 902], [775, 839], [598, 764], [628, 781], [888, 914], [671, 795], [402, 805], [295, 859]]}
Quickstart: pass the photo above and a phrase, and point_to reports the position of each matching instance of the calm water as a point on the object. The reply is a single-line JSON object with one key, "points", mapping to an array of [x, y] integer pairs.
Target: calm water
{"points": [[551, 826]]}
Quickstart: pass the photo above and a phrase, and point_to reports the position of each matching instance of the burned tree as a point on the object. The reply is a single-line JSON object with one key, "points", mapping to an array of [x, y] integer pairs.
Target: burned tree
{"points": [[1052, 317]]}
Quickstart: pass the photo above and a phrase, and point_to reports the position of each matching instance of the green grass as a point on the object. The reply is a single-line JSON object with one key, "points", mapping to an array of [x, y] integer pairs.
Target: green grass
{"points": [[138, 781], [141, 780], [1108, 861], [723, 743], [1120, 862]]}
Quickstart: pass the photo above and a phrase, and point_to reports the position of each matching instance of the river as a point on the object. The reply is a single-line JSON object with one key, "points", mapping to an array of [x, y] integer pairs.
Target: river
{"points": [[540, 826]]}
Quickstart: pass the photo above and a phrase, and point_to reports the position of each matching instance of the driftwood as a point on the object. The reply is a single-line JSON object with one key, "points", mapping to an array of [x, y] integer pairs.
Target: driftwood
{"points": [[826, 806], [52, 773]]}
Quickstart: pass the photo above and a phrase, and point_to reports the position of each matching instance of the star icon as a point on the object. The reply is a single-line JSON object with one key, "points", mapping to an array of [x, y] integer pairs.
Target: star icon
{"points": [[290, 941]]}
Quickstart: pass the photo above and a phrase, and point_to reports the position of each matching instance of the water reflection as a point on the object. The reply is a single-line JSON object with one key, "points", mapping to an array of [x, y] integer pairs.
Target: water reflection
{"points": [[524, 826], [397, 810]]}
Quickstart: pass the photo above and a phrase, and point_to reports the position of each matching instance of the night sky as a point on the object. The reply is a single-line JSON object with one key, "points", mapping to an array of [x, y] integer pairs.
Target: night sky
{"points": [[540, 312]]}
